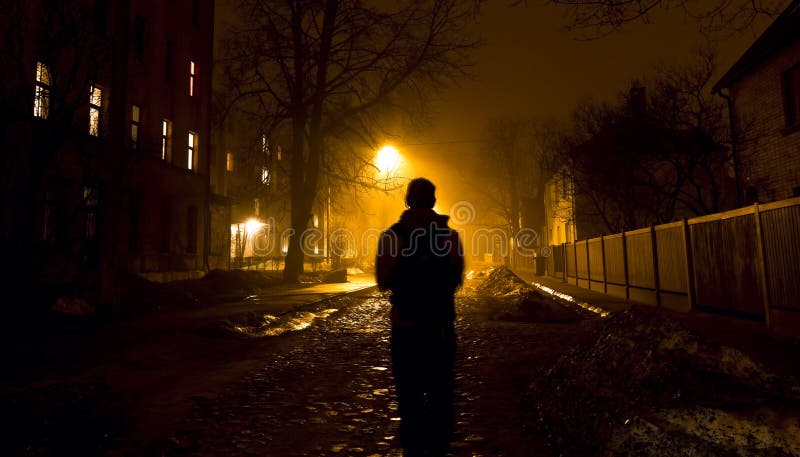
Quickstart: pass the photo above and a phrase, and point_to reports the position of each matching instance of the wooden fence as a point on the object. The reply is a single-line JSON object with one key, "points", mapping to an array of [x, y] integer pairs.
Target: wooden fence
{"points": [[744, 262]]}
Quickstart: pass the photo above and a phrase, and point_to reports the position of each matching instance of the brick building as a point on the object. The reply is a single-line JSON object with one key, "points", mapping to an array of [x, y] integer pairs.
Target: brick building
{"points": [[763, 91], [106, 131]]}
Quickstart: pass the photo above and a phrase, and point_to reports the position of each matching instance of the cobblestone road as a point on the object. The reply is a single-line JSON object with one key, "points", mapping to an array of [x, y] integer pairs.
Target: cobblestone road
{"points": [[330, 392]]}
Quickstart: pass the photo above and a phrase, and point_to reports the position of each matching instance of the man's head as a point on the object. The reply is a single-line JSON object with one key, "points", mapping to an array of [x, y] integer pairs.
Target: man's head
{"points": [[421, 193]]}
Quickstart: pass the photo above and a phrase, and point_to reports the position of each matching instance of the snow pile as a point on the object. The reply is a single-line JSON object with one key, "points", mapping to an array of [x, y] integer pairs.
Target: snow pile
{"points": [[226, 285], [518, 301], [73, 306], [502, 282], [629, 389], [533, 306], [258, 325], [139, 296]]}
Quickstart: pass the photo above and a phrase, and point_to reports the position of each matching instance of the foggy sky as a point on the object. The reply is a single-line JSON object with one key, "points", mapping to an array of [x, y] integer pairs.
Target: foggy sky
{"points": [[532, 67]]}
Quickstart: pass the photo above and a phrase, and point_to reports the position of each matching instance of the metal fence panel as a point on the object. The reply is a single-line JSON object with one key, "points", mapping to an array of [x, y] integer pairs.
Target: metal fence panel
{"points": [[725, 255], [596, 259], [570, 248], [640, 259], [615, 267], [671, 258], [782, 254], [581, 253]]}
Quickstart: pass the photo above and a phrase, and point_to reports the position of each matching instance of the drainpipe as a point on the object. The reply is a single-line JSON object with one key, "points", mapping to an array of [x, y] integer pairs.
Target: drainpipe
{"points": [[734, 146]]}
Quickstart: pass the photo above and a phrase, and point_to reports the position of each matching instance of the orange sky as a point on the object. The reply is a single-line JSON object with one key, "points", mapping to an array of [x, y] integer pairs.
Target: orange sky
{"points": [[532, 67]]}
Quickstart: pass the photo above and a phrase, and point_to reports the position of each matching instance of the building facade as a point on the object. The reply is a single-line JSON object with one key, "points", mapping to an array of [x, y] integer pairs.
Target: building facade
{"points": [[107, 138], [763, 91]]}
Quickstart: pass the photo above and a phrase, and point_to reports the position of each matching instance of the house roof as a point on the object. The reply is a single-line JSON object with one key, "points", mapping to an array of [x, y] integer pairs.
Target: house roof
{"points": [[784, 31]]}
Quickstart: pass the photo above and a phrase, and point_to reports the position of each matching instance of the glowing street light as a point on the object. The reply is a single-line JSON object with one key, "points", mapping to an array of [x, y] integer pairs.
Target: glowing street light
{"points": [[252, 225], [388, 159]]}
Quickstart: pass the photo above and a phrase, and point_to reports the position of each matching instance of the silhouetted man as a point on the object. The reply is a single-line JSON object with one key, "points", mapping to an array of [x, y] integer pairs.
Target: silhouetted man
{"points": [[420, 261]]}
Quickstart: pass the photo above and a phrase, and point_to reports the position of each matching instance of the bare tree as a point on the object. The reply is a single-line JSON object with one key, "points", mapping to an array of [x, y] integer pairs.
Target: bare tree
{"points": [[657, 154], [324, 68], [598, 18]]}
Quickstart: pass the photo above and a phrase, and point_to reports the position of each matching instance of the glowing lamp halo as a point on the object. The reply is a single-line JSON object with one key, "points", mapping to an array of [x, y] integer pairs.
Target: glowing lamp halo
{"points": [[387, 159]]}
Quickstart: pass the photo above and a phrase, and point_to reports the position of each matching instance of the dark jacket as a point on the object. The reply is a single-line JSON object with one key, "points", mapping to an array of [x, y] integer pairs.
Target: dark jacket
{"points": [[420, 260]]}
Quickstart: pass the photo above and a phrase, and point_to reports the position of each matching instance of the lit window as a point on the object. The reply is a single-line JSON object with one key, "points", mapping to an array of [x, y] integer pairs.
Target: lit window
{"points": [[135, 124], [278, 152], [166, 139], [191, 78], [316, 221], [229, 161], [191, 157], [41, 98], [95, 108], [265, 175], [791, 81]]}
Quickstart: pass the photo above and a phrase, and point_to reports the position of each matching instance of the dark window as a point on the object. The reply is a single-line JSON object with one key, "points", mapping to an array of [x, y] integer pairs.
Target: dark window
{"points": [[138, 36], [49, 219], [791, 81], [101, 17], [166, 227], [90, 205], [168, 61], [191, 230], [796, 192], [136, 124], [133, 230], [196, 12]]}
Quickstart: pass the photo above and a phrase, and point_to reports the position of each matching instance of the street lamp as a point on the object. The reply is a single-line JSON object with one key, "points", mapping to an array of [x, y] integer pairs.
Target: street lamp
{"points": [[387, 160]]}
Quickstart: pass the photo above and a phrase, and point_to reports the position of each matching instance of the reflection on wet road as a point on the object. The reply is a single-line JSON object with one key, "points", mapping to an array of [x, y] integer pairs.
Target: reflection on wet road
{"points": [[331, 393]]}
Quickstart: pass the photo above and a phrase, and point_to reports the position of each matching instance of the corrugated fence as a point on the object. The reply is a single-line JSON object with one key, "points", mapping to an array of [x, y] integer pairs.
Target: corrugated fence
{"points": [[744, 262]]}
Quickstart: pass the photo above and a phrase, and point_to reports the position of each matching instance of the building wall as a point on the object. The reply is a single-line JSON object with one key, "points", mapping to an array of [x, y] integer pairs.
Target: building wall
{"points": [[151, 215], [169, 203], [559, 212], [770, 153]]}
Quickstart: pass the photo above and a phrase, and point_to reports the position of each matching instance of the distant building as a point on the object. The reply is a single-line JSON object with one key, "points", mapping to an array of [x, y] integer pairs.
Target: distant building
{"points": [[763, 88], [107, 140], [559, 213]]}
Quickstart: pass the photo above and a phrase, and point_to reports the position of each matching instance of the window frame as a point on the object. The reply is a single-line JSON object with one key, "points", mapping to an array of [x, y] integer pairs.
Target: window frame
{"points": [[791, 98], [136, 125], [166, 140], [42, 90], [192, 77], [96, 109], [191, 151]]}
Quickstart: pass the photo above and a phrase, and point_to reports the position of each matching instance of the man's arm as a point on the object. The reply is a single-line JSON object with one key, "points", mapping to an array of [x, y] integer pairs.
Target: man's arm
{"points": [[386, 258], [457, 260]]}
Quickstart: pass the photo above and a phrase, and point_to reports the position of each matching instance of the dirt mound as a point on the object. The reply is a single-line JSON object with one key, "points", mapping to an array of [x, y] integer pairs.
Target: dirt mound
{"points": [[502, 281], [639, 363]]}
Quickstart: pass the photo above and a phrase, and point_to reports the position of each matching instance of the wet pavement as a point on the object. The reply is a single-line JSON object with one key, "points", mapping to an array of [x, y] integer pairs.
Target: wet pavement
{"points": [[330, 391]]}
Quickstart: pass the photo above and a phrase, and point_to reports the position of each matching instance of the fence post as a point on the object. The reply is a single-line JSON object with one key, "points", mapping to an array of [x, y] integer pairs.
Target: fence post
{"points": [[625, 265], [603, 260], [588, 268], [564, 260], [762, 267], [575, 252], [654, 244], [687, 250]]}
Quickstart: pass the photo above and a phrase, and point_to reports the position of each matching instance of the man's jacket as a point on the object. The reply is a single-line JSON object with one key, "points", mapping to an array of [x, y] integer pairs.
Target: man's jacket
{"points": [[420, 260]]}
